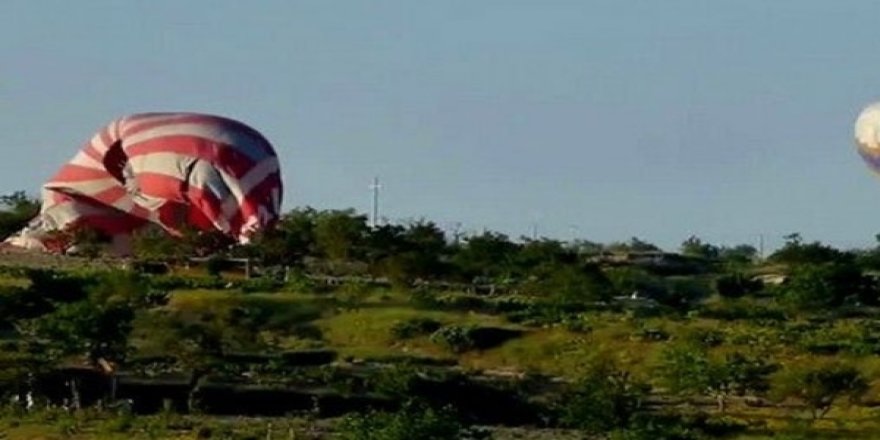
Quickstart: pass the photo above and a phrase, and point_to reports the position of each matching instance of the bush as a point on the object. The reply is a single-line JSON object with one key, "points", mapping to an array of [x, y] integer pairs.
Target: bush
{"points": [[307, 357], [690, 370], [657, 427], [670, 426], [415, 327], [738, 309], [577, 324], [459, 339], [651, 334], [818, 287], [723, 426], [413, 421], [509, 303], [150, 267], [604, 399], [820, 386], [120, 424], [399, 381], [462, 302], [545, 313], [261, 284], [704, 337], [58, 286], [216, 265], [737, 285], [174, 282]]}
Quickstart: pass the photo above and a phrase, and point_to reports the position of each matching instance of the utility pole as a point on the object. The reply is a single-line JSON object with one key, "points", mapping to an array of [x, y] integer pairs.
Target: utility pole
{"points": [[456, 232], [761, 246], [374, 219]]}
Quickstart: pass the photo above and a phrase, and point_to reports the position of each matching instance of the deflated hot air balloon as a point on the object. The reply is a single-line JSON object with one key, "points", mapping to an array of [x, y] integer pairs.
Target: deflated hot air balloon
{"points": [[867, 133], [175, 170]]}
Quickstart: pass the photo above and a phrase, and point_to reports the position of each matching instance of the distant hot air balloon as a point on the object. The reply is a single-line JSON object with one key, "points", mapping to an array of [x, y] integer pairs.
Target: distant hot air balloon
{"points": [[171, 169], [867, 133]]}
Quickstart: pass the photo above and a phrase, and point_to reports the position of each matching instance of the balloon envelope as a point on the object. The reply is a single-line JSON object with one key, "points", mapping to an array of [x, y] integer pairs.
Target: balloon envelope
{"points": [[175, 170], [867, 135]]}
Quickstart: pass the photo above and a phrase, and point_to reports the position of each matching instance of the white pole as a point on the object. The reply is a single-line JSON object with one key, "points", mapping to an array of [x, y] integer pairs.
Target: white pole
{"points": [[374, 221]]}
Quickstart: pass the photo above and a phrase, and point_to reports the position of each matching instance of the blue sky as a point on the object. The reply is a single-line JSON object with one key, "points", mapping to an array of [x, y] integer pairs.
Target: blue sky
{"points": [[604, 119]]}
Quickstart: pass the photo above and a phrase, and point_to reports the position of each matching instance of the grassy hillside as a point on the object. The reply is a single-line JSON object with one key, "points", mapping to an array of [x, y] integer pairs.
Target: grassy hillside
{"points": [[200, 354]]}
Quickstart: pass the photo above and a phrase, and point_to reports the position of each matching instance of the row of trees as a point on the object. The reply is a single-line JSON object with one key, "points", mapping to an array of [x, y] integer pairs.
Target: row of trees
{"points": [[340, 242]]}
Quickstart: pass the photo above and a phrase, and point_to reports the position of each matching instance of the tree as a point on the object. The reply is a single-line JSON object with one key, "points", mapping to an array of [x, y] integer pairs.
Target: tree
{"points": [[870, 258], [634, 244], [586, 247], [684, 292], [152, 243], [820, 386], [569, 285], [89, 242], [817, 286], [488, 255], [736, 285], [404, 253], [741, 254], [534, 253], [694, 247], [385, 241], [688, 369], [605, 398], [97, 326], [428, 249], [795, 251], [636, 281], [340, 234], [412, 421], [17, 210], [288, 243]]}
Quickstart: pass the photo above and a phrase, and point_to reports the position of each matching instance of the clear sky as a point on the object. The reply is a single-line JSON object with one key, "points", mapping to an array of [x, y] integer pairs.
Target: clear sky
{"points": [[604, 119]]}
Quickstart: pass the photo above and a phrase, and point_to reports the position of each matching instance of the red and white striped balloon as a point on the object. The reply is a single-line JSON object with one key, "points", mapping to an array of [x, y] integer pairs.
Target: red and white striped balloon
{"points": [[171, 169]]}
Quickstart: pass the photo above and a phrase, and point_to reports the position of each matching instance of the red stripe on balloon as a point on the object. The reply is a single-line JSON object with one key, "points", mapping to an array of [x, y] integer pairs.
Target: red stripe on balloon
{"points": [[220, 155], [76, 173], [161, 186]]}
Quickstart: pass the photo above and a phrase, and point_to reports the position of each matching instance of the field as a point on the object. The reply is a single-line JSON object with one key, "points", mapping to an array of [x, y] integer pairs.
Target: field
{"points": [[373, 329]]}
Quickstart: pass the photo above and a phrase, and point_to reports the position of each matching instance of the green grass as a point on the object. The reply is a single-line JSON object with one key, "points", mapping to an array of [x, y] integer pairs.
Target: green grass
{"points": [[10, 281], [366, 332], [56, 425], [358, 323]]}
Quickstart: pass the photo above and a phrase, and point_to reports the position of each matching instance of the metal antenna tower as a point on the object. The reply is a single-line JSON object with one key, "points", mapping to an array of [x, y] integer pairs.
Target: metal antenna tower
{"points": [[374, 218]]}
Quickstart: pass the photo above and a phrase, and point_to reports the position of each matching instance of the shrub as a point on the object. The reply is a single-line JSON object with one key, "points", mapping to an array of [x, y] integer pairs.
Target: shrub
{"points": [[820, 386], [657, 427], [688, 369], [577, 324], [59, 286], [261, 284], [670, 426], [398, 381], [546, 313], [463, 302], [415, 327], [743, 308], [819, 286], [736, 285], [455, 338], [119, 424], [651, 334], [413, 421], [705, 337], [604, 399], [463, 338]]}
